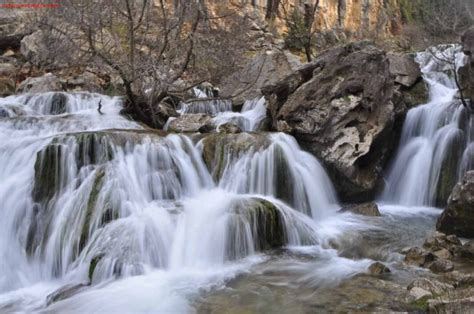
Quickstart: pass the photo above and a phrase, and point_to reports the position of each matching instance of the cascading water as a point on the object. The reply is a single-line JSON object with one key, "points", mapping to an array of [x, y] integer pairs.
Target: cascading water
{"points": [[436, 146], [92, 197]]}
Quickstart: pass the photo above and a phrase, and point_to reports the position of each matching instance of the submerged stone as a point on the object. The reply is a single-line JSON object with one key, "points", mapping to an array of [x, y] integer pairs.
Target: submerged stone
{"points": [[365, 209], [378, 268]]}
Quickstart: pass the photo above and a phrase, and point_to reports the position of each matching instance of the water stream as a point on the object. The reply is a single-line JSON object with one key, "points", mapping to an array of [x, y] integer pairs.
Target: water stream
{"points": [[99, 214]]}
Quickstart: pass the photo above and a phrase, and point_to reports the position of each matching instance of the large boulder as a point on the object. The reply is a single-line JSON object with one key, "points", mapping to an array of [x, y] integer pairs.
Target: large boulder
{"points": [[264, 69], [46, 83], [406, 71], [342, 108], [458, 217], [34, 49]]}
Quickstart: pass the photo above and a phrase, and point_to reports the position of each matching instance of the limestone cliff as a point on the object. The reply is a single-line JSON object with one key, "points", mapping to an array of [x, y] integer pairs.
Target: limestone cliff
{"points": [[356, 18]]}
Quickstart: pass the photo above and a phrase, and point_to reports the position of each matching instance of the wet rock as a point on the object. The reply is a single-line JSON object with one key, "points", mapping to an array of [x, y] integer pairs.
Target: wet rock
{"points": [[189, 122], [404, 68], [93, 265], [458, 217], [265, 222], [366, 209], [46, 83], [419, 257], [65, 292], [441, 266], [378, 268], [416, 95], [228, 127], [341, 108], [221, 149]]}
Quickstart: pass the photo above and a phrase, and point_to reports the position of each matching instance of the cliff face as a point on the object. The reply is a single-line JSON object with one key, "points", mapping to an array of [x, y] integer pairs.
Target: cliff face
{"points": [[356, 18]]}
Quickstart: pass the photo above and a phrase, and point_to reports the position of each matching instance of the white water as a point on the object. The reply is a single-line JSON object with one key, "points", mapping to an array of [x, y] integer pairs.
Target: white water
{"points": [[79, 188], [249, 119], [436, 139]]}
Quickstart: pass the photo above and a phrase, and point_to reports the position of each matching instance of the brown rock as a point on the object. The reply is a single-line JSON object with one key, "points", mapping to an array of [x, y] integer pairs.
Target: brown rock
{"points": [[378, 268], [441, 266], [419, 257]]}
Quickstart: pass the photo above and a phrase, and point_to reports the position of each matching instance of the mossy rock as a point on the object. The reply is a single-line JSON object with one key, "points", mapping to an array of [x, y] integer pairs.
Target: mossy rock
{"points": [[448, 176], [221, 149], [93, 265], [266, 226], [48, 172], [91, 206]]}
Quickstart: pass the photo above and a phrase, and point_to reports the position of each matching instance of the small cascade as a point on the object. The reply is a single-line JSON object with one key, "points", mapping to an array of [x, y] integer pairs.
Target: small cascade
{"points": [[207, 106], [436, 146], [276, 166], [249, 119]]}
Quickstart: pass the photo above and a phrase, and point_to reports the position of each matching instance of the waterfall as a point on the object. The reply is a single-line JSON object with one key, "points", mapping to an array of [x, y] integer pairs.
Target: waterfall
{"points": [[88, 198], [436, 146]]}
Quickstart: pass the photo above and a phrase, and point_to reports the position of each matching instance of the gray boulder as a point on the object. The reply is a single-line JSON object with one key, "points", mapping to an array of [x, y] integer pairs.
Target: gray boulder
{"points": [[264, 69], [46, 83], [404, 68], [342, 108], [33, 48]]}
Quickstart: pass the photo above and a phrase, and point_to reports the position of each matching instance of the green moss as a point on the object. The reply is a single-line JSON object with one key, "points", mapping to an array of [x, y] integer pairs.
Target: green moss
{"points": [[47, 173], [91, 204], [421, 304], [269, 225], [448, 175], [93, 265]]}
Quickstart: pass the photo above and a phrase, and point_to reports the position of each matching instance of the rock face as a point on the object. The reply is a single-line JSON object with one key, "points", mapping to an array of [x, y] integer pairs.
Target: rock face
{"points": [[264, 69], [458, 217], [342, 108], [406, 70], [466, 73]]}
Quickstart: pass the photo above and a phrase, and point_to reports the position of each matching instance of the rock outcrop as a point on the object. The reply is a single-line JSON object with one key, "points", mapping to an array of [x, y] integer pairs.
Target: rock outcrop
{"points": [[264, 69], [458, 217], [466, 73], [343, 108]]}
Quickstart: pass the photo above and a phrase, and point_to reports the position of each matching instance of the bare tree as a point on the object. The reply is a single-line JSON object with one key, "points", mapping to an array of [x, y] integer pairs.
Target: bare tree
{"points": [[448, 57], [300, 21], [158, 48]]}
